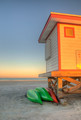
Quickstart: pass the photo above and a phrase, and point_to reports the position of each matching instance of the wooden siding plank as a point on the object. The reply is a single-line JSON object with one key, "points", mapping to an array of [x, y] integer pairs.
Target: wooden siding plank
{"points": [[52, 63]]}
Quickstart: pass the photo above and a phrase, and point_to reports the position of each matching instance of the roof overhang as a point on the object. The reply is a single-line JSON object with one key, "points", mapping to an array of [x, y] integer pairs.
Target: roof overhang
{"points": [[55, 18]]}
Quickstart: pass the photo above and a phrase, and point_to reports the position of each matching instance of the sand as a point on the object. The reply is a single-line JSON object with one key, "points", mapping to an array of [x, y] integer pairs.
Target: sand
{"points": [[14, 105]]}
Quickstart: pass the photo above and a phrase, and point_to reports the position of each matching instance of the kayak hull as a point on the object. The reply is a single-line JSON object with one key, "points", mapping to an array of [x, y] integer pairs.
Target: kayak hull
{"points": [[52, 94], [44, 94], [34, 96]]}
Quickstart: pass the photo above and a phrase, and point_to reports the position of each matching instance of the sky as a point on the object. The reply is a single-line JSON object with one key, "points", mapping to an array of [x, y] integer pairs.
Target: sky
{"points": [[21, 23]]}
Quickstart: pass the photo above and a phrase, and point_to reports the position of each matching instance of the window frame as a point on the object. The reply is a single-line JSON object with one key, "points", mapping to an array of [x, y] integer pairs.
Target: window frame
{"points": [[65, 28]]}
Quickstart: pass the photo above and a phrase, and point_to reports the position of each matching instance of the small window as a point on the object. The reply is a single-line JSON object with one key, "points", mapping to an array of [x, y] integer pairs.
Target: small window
{"points": [[69, 32]]}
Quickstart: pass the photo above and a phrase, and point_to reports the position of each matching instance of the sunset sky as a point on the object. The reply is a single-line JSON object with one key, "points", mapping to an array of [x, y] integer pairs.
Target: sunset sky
{"points": [[21, 23]]}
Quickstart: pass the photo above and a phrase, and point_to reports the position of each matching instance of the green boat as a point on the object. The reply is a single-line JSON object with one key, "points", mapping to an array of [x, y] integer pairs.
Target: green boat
{"points": [[44, 94], [34, 96]]}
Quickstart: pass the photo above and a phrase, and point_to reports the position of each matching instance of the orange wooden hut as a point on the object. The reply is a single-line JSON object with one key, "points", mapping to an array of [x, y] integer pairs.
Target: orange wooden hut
{"points": [[62, 37]]}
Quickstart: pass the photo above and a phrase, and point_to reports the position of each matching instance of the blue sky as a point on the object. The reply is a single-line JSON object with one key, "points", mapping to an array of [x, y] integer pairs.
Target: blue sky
{"points": [[21, 23]]}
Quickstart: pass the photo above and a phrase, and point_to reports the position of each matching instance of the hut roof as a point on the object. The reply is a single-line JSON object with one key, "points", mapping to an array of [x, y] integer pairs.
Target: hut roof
{"points": [[53, 19]]}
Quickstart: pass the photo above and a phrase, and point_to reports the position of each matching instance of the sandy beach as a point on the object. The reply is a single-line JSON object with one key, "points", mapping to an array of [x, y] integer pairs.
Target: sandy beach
{"points": [[15, 106]]}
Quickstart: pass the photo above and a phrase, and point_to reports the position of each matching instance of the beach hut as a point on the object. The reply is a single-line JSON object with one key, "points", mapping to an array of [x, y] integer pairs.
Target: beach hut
{"points": [[62, 38]]}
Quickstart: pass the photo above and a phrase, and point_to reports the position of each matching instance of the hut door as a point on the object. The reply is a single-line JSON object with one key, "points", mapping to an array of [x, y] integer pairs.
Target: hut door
{"points": [[78, 59]]}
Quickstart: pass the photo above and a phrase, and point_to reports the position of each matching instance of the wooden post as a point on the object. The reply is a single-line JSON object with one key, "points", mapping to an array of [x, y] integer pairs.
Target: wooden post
{"points": [[59, 86], [60, 83], [49, 82]]}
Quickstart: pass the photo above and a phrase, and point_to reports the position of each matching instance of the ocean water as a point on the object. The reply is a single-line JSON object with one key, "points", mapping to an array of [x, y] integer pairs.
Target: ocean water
{"points": [[23, 79]]}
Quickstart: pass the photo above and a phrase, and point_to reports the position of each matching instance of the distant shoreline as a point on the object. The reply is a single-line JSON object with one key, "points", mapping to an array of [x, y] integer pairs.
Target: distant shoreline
{"points": [[21, 80]]}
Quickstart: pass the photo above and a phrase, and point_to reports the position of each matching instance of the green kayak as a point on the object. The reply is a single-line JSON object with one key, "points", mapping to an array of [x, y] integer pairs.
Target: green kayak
{"points": [[34, 96], [44, 94]]}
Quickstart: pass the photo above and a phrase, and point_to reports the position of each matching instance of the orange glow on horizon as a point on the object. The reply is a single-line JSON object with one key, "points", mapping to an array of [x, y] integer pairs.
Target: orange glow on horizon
{"points": [[26, 73]]}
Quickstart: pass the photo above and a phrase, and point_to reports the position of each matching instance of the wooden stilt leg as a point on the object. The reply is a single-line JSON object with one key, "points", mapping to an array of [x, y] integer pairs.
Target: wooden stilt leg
{"points": [[60, 83], [59, 86]]}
